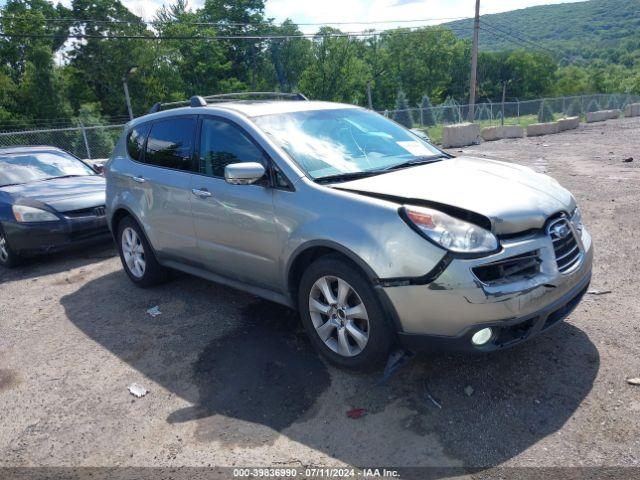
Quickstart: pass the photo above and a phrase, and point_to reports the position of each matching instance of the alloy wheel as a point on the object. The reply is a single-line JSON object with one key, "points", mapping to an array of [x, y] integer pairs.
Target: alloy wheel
{"points": [[339, 316], [133, 252]]}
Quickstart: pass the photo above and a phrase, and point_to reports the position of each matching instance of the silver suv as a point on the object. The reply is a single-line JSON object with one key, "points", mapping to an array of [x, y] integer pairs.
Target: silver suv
{"points": [[374, 235]]}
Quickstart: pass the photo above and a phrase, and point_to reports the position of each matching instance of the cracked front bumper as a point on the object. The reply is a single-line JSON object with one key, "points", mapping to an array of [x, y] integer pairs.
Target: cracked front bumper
{"points": [[457, 303]]}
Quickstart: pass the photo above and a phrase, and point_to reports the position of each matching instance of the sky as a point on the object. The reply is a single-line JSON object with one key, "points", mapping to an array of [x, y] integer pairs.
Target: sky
{"points": [[325, 11]]}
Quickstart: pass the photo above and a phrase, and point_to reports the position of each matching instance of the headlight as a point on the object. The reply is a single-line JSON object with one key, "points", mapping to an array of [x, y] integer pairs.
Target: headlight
{"points": [[25, 214], [453, 234], [576, 219]]}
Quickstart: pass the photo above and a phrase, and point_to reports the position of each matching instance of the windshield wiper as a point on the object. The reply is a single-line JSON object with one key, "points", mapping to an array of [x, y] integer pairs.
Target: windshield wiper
{"points": [[61, 176], [416, 161], [343, 177]]}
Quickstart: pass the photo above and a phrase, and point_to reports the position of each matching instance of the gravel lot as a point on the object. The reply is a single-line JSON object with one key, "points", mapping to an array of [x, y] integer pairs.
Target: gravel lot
{"points": [[233, 381]]}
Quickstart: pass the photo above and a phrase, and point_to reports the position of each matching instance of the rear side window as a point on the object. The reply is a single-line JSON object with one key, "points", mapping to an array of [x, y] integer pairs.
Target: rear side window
{"points": [[135, 141], [170, 143], [222, 143]]}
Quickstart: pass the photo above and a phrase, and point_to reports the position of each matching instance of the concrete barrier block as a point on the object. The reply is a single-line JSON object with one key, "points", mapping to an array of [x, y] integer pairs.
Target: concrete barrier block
{"points": [[568, 123], [536, 129], [460, 135], [632, 110], [602, 115], [504, 131], [490, 134], [512, 131]]}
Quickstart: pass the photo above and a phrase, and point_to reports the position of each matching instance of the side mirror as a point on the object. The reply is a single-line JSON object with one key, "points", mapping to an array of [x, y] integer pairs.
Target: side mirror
{"points": [[244, 173], [98, 168]]}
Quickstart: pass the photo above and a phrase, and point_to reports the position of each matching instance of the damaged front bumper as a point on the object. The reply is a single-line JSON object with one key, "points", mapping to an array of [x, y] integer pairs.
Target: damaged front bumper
{"points": [[464, 298]]}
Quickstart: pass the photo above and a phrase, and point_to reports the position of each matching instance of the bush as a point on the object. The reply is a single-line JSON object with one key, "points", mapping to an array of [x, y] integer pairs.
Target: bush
{"points": [[427, 112], [402, 114], [545, 114]]}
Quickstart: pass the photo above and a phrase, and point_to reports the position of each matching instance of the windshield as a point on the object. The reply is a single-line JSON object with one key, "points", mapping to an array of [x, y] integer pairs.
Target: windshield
{"points": [[19, 168], [326, 143]]}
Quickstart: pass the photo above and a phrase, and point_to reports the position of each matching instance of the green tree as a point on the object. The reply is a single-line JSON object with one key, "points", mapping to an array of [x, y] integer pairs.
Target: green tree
{"points": [[450, 112], [427, 111], [337, 71], [545, 114], [593, 106], [402, 114], [575, 108], [101, 141], [290, 56], [100, 64]]}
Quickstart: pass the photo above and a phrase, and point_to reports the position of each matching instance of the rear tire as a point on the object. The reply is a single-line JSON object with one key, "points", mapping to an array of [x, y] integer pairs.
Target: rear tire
{"points": [[8, 258], [342, 315], [137, 256]]}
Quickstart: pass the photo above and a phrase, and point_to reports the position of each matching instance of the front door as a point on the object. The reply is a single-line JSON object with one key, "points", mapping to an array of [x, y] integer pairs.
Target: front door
{"points": [[234, 224]]}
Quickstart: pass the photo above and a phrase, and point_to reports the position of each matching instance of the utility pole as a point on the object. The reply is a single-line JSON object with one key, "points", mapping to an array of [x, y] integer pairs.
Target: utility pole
{"points": [[130, 72], [474, 64], [369, 94], [126, 97]]}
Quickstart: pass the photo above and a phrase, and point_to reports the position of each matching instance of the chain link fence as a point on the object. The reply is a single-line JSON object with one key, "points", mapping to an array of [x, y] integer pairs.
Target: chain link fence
{"points": [[87, 142], [511, 113], [98, 141]]}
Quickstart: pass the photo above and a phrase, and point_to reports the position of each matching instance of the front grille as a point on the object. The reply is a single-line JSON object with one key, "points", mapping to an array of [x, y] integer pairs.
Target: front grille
{"points": [[510, 269], [565, 245]]}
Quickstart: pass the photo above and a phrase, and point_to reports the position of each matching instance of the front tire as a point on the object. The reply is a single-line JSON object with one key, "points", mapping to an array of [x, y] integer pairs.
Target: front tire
{"points": [[342, 315], [137, 256], [8, 258]]}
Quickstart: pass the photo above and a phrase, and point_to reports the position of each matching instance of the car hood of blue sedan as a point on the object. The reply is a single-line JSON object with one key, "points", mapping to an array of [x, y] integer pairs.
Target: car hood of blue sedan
{"points": [[61, 194]]}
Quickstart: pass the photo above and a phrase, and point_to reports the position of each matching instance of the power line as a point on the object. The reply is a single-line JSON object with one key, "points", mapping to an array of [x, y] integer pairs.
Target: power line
{"points": [[514, 36], [237, 24], [364, 33]]}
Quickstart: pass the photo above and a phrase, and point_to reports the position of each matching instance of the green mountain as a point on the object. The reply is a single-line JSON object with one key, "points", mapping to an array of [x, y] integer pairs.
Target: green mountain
{"points": [[597, 29]]}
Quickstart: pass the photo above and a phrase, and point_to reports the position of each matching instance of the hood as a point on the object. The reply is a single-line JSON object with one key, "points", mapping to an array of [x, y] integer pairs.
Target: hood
{"points": [[512, 197], [61, 194]]}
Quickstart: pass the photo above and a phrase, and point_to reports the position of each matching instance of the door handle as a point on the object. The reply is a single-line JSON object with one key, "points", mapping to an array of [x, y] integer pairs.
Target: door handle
{"points": [[137, 179], [201, 193]]}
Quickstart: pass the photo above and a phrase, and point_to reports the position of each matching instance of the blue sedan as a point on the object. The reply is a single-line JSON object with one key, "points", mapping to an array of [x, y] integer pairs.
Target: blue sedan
{"points": [[49, 201]]}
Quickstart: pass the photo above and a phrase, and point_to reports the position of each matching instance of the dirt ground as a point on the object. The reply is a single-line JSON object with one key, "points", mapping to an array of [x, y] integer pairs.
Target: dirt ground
{"points": [[233, 381]]}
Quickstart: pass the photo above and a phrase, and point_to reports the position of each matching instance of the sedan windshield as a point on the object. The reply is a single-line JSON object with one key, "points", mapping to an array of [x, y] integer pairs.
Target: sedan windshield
{"points": [[346, 142], [17, 168]]}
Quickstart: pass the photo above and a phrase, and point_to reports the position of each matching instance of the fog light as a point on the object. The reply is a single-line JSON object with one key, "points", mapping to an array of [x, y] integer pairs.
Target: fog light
{"points": [[482, 336]]}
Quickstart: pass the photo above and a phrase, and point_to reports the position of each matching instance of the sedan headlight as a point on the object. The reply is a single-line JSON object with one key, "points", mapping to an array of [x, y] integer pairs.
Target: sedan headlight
{"points": [[576, 219], [449, 232], [25, 214]]}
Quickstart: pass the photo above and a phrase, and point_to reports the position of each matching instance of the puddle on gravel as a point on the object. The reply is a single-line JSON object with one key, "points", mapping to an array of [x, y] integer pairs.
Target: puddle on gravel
{"points": [[265, 372]]}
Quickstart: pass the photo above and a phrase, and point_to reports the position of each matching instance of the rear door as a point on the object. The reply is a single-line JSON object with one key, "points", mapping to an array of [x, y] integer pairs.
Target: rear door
{"points": [[234, 223], [165, 176]]}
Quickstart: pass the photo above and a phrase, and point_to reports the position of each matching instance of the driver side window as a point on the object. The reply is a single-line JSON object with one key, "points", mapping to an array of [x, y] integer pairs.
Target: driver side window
{"points": [[221, 144]]}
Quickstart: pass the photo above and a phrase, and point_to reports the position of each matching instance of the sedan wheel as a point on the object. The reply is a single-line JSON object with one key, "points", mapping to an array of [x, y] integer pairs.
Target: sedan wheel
{"points": [[8, 258], [339, 316], [133, 252], [4, 250]]}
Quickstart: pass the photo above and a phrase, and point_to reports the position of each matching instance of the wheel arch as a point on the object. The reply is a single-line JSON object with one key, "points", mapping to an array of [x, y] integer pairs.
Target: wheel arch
{"points": [[310, 251]]}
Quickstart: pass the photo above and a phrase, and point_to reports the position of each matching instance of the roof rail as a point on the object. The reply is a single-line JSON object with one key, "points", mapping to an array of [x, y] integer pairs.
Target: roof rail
{"points": [[198, 101]]}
